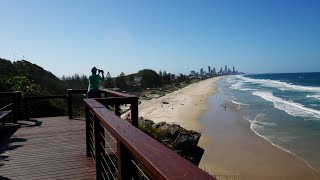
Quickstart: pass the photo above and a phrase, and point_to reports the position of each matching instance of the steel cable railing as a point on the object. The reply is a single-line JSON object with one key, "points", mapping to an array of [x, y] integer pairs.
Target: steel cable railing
{"points": [[121, 151]]}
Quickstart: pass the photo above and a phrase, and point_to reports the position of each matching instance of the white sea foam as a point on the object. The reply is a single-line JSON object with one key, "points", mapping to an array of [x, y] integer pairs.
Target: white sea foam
{"points": [[237, 85], [314, 96], [239, 103], [248, 89], [281, 85], [264, 124], [292, 108], [254, 125], [247, 119]]}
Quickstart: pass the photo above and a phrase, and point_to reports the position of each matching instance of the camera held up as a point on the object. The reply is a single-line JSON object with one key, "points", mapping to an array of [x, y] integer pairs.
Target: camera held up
{"points": [[100, 71]]}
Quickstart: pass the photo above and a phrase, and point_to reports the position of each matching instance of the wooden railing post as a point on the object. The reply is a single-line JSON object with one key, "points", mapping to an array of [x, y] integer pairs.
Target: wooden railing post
{"points": [[26, 113], [88, 127], [70, 103], [117, 110], [125, 166], [134, 113], [16, 105], [19, 101], [99, 148]]}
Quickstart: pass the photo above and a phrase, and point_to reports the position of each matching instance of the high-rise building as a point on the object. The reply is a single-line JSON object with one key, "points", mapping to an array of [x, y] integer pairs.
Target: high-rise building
{"points": [[233, 71], [209, 70], [214, 71], [225, 68], [201, 72]]}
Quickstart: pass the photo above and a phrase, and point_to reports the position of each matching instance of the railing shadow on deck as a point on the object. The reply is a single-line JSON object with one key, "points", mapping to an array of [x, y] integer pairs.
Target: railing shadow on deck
{"points": [[6, 141], [29, 123]]}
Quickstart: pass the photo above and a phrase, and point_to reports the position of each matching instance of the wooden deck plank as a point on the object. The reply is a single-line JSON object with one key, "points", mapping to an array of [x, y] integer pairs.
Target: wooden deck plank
{"points": [[47, 148]]}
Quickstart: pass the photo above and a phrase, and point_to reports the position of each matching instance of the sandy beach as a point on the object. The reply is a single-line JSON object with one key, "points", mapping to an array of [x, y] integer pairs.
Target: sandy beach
{"points": [[183, 107], [231, 148]]}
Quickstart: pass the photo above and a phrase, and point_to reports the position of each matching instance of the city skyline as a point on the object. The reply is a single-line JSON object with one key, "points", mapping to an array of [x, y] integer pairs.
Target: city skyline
{"points": [[212, 72], [67, 37]]}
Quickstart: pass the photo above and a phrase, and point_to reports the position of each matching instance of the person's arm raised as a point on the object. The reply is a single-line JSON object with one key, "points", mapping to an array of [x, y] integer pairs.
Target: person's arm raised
{"points": [[102, 75]]}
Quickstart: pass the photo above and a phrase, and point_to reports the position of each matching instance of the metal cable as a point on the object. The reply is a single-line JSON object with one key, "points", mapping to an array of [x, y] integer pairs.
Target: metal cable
{"points": [[108, 166], [115, 167], [144, 175]]}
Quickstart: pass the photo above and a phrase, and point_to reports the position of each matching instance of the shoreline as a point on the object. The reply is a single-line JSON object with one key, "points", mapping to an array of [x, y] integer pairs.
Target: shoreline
{"points": [[237, 149], [189, 106], [283, 149]]}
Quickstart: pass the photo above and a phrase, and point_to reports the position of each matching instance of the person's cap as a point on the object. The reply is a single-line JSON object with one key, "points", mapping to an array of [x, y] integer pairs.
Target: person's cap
{"points": [[94, 69]]}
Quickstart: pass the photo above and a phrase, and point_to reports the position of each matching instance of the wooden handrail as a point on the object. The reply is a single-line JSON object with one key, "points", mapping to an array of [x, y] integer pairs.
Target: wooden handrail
{"points": [[114, 98], [5, 94], [131, 99], [45, 97], [115, 93], [157, 160], [84, 91]]}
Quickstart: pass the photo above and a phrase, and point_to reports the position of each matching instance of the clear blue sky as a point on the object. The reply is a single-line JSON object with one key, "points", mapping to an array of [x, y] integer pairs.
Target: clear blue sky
{"points": [[71, 36]]}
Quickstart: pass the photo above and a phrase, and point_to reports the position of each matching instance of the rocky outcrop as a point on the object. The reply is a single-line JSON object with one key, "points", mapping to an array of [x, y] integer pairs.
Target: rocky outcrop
{"points": [[180, 140]]}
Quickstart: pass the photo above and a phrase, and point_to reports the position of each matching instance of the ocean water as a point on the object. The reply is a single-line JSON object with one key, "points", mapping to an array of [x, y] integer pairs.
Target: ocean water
{"points": [[282, 108]]}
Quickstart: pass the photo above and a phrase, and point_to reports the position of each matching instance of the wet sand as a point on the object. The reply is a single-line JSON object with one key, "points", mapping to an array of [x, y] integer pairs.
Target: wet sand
{"points": [[232, 148]]}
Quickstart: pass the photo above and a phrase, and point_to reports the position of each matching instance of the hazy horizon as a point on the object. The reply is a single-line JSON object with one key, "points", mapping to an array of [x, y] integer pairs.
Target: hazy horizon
{"points": [[72, 37]]}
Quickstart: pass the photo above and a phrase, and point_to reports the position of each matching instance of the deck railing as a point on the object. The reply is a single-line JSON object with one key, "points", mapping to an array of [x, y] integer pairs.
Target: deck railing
{"points": [[26, 107], [116, 99], [111, 98], [12, 102], [44, 106], [122, 151]]}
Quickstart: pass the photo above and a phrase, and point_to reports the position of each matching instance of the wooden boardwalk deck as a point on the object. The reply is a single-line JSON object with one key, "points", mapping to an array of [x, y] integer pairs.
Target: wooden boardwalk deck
{"points": [[46, 148]]}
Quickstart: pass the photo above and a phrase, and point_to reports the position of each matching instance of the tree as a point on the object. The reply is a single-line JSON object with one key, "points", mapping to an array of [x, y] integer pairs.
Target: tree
{"points": [[28, 88], [130, 79], [149, 78], [121, 81], [108, 83], [160, 74], [166, 78], [161, 77]]}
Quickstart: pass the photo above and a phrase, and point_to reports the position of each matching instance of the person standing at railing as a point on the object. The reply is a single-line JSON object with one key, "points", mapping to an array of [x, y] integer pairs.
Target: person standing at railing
{"points": [[94, 79]]}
